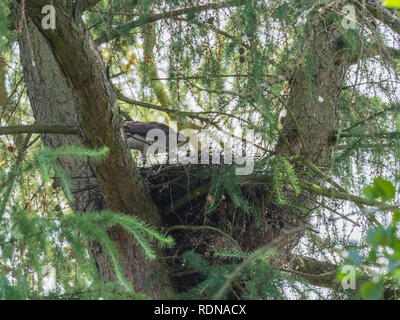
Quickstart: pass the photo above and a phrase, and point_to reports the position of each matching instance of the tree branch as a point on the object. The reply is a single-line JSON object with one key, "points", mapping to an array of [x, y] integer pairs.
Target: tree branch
{"points": [[369, 146], [193, 115], [167, 15], [315, 272], [322, 191], [253, 257], [160, 108], [323, 273], [334, 194], [200, 228], [393, 106], [40, 128], [383, 135]]}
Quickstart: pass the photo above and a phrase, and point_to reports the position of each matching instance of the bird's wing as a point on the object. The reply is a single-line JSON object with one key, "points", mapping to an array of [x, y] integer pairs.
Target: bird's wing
{"points": [[142, 128]]}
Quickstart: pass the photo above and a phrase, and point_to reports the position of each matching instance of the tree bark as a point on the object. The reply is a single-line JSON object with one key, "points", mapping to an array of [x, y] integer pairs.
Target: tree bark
{"points": [[66, 84], [311, 109]]}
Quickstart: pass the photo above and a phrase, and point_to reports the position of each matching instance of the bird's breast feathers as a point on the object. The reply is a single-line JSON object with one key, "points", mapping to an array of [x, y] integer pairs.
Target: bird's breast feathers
{"points": [[136, 141]]}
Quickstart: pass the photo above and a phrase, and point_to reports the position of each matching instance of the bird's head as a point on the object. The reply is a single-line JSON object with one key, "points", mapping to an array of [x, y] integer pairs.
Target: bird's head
{"points": [[141, 135]]}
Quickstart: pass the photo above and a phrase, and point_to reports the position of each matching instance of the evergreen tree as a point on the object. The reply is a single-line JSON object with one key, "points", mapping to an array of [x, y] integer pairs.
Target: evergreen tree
{"points": [[317, 83]]}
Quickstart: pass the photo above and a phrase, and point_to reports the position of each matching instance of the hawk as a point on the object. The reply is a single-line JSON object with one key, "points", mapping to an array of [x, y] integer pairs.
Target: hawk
{"points": [[141, 135]]}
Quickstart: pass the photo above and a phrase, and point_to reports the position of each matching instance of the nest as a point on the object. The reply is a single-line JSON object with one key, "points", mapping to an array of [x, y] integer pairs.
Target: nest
{"points": [[182, 194]]}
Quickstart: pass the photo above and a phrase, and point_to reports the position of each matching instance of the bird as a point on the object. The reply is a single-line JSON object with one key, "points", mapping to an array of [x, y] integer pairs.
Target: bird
{"points": [[141, 135]]}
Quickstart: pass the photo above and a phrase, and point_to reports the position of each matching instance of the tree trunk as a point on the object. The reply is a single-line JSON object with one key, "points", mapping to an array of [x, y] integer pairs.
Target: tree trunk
{"points": [[66, 84], [311, 115]]}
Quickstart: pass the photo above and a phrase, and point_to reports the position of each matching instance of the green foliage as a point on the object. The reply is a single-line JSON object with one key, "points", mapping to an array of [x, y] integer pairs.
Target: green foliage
{"points": [[257, 280], [384, 243], [45, 161], [4, 12], [225, 180], [372, 291], [35, 246], [282, 175], [381, 188], [93, 226], [391, 3], [350, 41]]}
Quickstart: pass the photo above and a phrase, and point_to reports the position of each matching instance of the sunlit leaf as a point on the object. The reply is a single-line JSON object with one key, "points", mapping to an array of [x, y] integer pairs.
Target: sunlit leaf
{"points": [[391, 3], [372, 291], [380, 188], [385, 189]]}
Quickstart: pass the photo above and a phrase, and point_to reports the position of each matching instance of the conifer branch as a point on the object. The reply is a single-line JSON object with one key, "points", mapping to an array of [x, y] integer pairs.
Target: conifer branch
{"points": [[40, 128], [201, 77], [323, 191], [160, 108], [321, 273], [194, 115], [13, 174], [370, 146], [216, 30], [384, 135], [254, 256], [392, 107], [168, 15], [197, 228], [335, 194]]}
